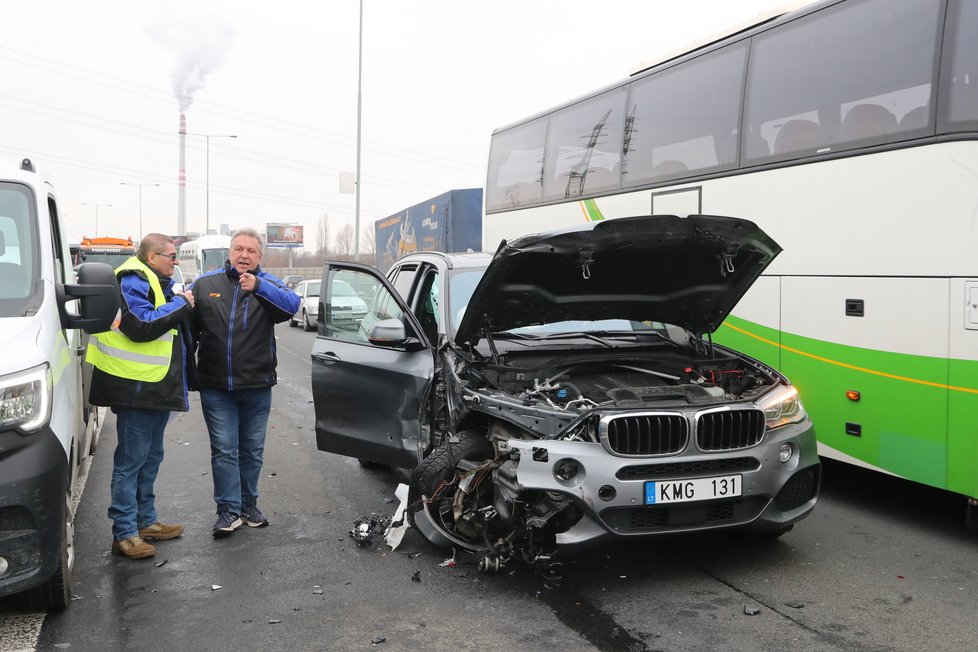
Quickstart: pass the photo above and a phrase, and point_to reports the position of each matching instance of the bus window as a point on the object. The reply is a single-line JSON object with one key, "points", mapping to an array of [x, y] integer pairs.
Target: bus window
{"points": [[584, 147], [959, 79], [685, 118], [516, 166], [818, 84]]}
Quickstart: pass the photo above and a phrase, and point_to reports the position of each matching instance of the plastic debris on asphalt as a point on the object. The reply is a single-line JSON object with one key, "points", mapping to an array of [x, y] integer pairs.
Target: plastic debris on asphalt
{"points": [[317, 590], [395, 532], [216, 587], [378, 640], [160, 563], [751, 611], [416, 577], [367, 528], [451, 560]]}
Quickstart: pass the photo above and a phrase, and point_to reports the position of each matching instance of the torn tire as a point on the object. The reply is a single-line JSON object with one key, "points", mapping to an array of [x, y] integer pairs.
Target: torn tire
{"points": [[434, 488]]}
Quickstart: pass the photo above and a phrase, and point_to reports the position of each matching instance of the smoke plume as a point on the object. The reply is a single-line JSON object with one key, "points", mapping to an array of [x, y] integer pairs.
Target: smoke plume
{"points": [[199, 35]]}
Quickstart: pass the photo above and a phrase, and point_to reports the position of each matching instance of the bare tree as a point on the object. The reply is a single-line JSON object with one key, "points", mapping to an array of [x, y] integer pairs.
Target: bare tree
{"points": [[368, 241], [344, 242], [322, 237]]}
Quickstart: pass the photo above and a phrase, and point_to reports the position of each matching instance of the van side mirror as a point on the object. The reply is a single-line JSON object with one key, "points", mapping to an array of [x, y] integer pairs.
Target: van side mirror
{"points": [[98, 293]]}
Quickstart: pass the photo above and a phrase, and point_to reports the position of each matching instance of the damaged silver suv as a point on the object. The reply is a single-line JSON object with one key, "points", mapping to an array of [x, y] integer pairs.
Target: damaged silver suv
{"points": [[566, 390]]}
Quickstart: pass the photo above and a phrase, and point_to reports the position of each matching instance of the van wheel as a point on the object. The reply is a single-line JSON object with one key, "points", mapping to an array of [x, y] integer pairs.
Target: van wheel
{"points": [[435, 479], [55, 593]]}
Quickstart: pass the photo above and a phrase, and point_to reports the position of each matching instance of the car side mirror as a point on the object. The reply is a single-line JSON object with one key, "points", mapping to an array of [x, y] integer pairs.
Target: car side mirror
{"points": [[391, 334]]}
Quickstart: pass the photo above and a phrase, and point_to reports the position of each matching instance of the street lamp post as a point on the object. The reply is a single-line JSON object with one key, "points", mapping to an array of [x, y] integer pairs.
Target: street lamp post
{"points": [[207, 174], [140, 186], [96, 214]]}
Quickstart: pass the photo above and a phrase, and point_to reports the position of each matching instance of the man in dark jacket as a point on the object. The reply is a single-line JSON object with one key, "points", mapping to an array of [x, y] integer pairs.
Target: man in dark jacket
{"points": [[142, 371], [234, 322]]}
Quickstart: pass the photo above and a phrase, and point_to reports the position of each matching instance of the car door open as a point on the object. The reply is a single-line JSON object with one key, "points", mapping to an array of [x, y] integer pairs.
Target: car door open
{"points": [[369, 380]]}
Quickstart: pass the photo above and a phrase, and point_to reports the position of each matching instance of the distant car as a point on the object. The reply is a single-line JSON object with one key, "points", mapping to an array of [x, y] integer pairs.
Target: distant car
{"points": [[308, 292], [292, 281]]}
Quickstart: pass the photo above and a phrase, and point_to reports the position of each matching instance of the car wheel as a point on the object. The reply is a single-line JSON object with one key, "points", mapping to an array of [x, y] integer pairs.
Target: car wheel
{"points": [[436, 480], [305, 322], [55, 593], [292, 322]]}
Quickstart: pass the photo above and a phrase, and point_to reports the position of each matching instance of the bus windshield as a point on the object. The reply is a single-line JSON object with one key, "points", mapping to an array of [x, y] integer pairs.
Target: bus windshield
{"points": [[212, 259]]}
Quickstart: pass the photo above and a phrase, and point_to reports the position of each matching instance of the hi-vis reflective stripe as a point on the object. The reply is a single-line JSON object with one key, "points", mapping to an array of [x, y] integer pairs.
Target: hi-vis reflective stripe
{"points": [[131, 356]]}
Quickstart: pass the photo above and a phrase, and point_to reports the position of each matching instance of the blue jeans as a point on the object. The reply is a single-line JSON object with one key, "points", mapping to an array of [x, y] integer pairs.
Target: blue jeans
{"points": [[138, 455], [236, 423]]}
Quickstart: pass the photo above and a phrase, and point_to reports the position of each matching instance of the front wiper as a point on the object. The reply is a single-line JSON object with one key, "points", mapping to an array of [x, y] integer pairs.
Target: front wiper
{"points": [[557, 336], [597, 336]]}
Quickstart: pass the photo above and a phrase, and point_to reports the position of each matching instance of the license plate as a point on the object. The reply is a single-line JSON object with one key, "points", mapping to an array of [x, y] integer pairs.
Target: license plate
{"points": [[685, 491]]}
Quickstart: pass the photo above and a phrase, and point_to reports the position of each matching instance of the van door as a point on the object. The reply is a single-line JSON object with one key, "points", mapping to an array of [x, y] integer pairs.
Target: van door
{"points": [[368, 397]]}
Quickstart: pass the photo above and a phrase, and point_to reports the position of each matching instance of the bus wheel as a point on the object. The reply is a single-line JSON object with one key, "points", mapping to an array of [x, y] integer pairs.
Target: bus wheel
{"points": [[971, 514], [55, 593]]}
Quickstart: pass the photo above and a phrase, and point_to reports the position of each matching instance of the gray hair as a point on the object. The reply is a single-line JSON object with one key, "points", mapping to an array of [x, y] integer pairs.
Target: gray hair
{"points": [[152, 243], [251, 233]]}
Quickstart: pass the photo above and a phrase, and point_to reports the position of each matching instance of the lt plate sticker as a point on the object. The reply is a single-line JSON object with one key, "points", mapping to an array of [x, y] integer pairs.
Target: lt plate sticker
{"points": [[685, 491]]}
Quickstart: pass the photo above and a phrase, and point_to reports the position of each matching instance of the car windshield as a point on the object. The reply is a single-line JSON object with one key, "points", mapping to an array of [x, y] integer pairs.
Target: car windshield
{"points": [[461, 285]]}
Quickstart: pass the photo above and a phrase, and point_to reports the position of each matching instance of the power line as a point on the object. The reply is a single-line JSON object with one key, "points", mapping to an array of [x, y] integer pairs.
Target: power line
{"points": [[265, 121]]}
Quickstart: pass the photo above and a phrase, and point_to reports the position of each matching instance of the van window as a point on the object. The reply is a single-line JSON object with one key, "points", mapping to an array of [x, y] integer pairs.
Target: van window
{"points": [[19, 251]]}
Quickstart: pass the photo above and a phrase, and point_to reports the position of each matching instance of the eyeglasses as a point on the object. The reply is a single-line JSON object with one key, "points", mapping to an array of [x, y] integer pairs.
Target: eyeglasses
{"points": [[172, 257]]}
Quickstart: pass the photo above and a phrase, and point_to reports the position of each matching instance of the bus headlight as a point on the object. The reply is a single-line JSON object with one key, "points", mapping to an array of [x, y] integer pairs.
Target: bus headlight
{"points": [[25, 400], [782, 407]]}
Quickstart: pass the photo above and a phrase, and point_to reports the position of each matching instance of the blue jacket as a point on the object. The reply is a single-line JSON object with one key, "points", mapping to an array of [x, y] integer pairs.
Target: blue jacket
{"points": [[142, 321], [235, 330]]}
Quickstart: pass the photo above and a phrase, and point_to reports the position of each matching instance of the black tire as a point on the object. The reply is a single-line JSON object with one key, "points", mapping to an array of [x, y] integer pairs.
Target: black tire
{"points": [[55, 592], [292, 322], [429, 477], [305, 322]]}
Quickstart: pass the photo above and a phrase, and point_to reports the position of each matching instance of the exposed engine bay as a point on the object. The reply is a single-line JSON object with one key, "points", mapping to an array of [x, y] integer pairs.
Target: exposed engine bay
{"points": [[631, 381], [483, 502]]}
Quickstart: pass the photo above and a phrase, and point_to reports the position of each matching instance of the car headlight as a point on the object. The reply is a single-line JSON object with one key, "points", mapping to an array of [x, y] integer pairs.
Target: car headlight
{"points": [[25, 399], [782, 407]]}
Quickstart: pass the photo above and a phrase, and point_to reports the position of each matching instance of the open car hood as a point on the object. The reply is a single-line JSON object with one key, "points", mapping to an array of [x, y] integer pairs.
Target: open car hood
{"points": [[689, 271]]}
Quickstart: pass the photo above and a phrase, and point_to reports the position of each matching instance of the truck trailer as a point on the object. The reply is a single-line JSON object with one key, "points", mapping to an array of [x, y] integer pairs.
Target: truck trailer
{"points": [[450, 222]]}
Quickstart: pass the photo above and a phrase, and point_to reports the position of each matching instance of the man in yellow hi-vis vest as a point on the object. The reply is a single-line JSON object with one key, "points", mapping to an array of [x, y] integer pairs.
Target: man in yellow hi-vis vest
{"points": [[143, 370]]}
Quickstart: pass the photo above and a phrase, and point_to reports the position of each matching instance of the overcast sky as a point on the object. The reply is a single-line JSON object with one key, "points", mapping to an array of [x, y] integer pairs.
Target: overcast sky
{"points": [[88, 90]]}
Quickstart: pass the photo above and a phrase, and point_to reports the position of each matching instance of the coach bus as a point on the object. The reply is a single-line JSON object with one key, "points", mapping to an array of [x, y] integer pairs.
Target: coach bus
{"points": [[848, 130], [203, 254]]}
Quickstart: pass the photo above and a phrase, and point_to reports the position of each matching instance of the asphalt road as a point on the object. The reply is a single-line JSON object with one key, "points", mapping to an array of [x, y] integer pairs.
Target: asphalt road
{"points": [[882, 564]]}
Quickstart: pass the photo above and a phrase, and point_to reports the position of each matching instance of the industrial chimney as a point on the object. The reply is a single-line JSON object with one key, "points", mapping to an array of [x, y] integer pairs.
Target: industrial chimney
{"points": [[182, 179]]}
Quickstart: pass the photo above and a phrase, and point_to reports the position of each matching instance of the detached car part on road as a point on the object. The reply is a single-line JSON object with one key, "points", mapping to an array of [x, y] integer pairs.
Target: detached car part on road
{"points": [[566, 390]]}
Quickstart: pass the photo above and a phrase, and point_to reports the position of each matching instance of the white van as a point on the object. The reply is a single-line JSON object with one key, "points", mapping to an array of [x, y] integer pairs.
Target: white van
{"points": [[206, 253], [45, 431]]}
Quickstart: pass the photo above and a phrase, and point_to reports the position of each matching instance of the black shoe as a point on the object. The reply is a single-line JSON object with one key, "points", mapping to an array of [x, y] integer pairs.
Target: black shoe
{"points": [[252, 516], [227, 523]]}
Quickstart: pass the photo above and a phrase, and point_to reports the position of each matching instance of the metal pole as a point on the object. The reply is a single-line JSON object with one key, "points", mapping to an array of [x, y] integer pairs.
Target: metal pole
{"points": [[140, 212], [207, 182], [356, 233]]}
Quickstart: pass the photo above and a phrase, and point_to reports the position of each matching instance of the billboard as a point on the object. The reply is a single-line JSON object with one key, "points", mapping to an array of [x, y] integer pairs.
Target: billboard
{"points": [[283, 235]]}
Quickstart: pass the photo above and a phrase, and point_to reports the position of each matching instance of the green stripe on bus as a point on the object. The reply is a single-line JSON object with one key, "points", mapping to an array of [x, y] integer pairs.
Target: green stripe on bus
{"points": [[591, 211], [915, 413]]}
